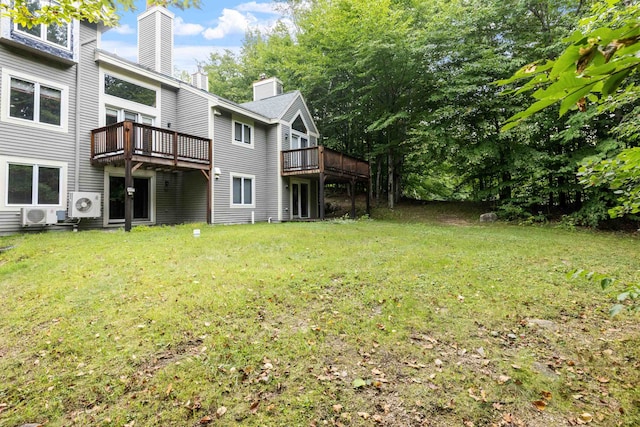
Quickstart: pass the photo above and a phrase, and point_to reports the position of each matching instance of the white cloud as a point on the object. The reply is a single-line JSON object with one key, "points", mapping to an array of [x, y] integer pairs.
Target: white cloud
{"points": [[186, 57], [181, 28], [123, 29], [270, 8], [124, 50], [231, 22]]}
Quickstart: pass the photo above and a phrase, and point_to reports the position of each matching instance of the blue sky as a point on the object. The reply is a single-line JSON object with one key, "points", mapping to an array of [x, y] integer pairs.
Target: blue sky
{"points": [[217, 25]]}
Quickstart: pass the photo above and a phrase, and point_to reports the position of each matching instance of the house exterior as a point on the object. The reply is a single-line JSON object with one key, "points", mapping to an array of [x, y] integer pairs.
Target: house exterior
{"points": [[91, 140]]}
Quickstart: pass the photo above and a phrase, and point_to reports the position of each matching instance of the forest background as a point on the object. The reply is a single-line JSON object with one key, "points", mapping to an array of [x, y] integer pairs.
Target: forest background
{"points": [[410, 85]]}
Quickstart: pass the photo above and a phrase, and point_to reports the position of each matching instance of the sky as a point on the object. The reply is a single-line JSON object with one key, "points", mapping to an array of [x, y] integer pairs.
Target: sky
{"points": [[217, 25]]}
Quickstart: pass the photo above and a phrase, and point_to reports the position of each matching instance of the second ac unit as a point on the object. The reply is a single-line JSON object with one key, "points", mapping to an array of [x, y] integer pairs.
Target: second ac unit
{"points": [[83, 204], [38, 216]]}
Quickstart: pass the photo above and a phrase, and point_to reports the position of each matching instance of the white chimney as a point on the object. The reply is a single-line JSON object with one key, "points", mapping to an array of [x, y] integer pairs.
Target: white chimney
{"points": [[200, 80], [265, 88], [155, 39]]}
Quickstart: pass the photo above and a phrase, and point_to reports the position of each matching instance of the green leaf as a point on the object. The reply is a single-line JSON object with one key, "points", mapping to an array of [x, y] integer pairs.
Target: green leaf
{"points": [[574, 97], [614, 81], [566, 61], [606, 282], [623, 296], [358, 383], [616, 309]]}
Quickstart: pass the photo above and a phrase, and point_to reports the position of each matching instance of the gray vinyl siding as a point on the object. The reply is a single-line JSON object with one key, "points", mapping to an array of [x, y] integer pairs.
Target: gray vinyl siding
{"points": [[91, 178], [272, 178], [169, 100], [193, 197], [146, 42], [284, 182], [32, 142], [192, 115], [166, 43], [168, 196], [231, 158]]}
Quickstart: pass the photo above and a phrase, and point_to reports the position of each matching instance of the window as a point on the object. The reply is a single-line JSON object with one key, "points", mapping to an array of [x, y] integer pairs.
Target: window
{"points": [[242, 133], [130, 91], [29, 100], [32, 183], [242, 191], [36, 102], [114, 115], [58, 35]]}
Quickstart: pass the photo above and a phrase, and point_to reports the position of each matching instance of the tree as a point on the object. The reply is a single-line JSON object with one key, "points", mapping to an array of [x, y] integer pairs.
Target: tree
{"points": [[34, 12], [600, 66]]}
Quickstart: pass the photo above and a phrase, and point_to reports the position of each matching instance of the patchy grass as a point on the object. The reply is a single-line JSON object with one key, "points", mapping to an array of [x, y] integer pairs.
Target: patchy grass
{"points": [[396, 322]]}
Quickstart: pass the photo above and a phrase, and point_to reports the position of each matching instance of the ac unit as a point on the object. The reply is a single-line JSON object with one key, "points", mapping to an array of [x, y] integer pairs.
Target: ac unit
{"points": [[39, 216], [83, 204]]}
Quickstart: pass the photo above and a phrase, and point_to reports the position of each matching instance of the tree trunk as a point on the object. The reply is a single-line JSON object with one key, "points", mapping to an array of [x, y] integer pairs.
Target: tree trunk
{"points": [[390, 183], [378, 190]]}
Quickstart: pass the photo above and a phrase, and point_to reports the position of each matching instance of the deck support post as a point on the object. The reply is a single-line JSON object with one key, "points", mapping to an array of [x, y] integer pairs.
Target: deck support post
{"points": [[207, 175], [353, 198], [321, 196], [128, 177]]}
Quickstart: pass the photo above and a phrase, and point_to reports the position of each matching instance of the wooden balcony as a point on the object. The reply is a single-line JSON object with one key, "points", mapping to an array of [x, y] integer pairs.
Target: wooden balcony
{"points": [[323, 161], [148, 145]]}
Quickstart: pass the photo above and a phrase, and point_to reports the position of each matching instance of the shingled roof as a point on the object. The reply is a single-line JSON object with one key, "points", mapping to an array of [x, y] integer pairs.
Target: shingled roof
{"points": [[273, 107]]}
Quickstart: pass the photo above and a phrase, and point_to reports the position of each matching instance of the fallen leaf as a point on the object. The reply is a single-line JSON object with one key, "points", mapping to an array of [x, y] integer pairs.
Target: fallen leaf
{"points": [[254, 406], [168, 390], [482, 397], [206, 420], [603, 379], [358, 383], [540, 405], [337, 408], [221, 411], [502, 379], [546, 395], [364, 415], [376, 371], [377, 418], [585, 417]]}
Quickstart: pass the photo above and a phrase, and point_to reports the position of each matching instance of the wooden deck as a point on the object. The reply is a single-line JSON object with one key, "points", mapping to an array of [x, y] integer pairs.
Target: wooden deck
{"points": [[328, 166], [134, 145], [322, 160], [150, 146]]}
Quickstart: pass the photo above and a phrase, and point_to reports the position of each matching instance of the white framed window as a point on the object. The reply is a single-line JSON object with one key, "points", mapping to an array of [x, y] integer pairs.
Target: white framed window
{"points": [[134, 92], [56, 34], [32, 182], [125, 98], [33, 101], [243, 133], [242, 190], [115, 115]]}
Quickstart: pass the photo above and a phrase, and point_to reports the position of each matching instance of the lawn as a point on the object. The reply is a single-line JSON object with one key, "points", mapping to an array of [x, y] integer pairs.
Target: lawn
{"points": [[394, 322]]}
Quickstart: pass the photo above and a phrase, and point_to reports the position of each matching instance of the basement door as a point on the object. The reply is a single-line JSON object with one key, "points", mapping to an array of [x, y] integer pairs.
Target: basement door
{"points": [[300, 200], [141, 199]]}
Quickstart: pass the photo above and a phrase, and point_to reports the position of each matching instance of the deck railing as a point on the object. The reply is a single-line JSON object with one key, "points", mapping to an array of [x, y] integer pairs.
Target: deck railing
{"points": [[137, 139], [321, 159]]}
